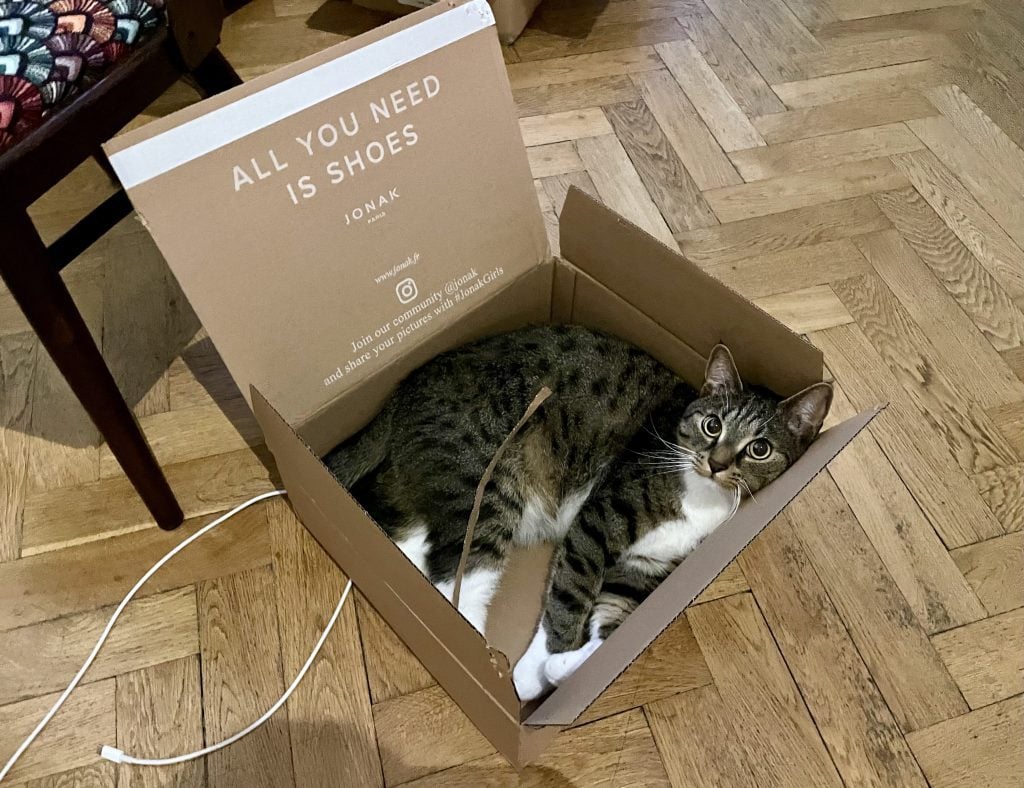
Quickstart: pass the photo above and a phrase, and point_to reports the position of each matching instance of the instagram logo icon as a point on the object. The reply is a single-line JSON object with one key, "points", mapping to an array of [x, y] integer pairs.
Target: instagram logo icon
{"points": [[406, 290]]}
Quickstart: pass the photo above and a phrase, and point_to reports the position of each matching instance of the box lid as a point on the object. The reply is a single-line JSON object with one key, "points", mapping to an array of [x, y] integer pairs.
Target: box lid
{"points": [[325, 216]]}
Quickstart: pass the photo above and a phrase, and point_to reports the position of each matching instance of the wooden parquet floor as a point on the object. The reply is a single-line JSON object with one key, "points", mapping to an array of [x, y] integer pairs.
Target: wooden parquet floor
{"points": [[853, 166]]}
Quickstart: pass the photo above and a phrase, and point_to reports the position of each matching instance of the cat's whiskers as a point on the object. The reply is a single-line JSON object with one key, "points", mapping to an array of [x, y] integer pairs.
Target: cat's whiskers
{"points": [[738, 484], [681, 462], [674, 459], [736, 506], [668, 444], [669, 457], [677, 465], [657, 435], [670, 453], [659, 466], [673, 453], [746, 486]]}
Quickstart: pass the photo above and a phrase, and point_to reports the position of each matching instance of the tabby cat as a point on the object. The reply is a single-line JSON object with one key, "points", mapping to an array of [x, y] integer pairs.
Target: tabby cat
{"points": [[625, 468]]}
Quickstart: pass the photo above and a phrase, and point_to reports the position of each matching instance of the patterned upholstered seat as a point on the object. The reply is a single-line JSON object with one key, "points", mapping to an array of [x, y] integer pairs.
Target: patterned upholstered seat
{"points": [[51, 52]]}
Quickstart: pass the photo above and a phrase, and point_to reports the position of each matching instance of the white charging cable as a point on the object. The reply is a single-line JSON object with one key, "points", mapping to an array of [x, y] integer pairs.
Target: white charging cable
{"points": [[116, 755]]}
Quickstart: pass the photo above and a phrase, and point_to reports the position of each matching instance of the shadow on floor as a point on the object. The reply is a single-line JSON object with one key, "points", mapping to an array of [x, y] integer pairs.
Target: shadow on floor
{"points": [[568, 20], [143, 322], [344, 752], [344, 18]]}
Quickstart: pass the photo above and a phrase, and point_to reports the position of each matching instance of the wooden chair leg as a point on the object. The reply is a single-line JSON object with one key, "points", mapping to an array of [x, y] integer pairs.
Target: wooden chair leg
{"points": [[50, 310], [215, 74], [87, 231], [101, 159]]}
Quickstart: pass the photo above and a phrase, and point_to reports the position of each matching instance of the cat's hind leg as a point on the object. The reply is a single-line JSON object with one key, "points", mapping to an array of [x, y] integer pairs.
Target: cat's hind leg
{"points": [[488, 553], [415, 544], [478, 588], [376, 492]]}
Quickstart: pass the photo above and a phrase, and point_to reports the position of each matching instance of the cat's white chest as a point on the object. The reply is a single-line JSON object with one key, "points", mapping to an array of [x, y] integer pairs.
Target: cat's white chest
{"points": [[704, 506]]}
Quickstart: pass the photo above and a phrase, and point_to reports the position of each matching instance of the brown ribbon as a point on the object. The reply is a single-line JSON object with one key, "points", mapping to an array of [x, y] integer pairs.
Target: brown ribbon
{"points": [[542, 395]]}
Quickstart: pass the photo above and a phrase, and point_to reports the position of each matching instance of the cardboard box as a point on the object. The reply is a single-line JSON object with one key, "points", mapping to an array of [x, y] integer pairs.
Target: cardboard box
{"points": [[337, 223], [510, 16]]}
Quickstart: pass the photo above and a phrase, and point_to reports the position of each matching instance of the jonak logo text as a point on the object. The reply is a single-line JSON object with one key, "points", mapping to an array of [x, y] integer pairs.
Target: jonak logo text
{"points": [[372, 210]]}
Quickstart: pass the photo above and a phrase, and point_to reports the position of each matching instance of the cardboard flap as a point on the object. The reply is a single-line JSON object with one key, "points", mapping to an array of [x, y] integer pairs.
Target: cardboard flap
{"points": [[692, 576], [325, 218], [682, 298]]}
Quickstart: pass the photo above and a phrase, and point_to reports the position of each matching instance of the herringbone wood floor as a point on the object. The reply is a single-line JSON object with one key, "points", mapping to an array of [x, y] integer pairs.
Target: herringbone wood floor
{"points": [[855, 167]]}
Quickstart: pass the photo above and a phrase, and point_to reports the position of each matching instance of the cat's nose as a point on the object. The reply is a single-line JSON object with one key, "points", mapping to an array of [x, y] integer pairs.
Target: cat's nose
{"points": [[716, 466]]}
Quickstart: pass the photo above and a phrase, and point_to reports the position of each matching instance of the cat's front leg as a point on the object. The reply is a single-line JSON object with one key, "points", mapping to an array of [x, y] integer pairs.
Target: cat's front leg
{"points": [[624, 587], [559, 667], [575, 581]]}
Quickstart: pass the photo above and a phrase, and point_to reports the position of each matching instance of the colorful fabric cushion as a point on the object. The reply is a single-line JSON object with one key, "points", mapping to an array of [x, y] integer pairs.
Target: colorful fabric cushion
{"points": [[50, 52]]}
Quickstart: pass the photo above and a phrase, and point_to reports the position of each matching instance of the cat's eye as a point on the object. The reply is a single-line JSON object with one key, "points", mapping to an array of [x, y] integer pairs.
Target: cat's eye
{"points": [[712, 426], [759, 449]]}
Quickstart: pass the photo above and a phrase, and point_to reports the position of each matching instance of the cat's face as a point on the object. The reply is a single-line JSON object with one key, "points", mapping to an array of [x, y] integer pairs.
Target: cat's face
{"points": [[744, 438]]}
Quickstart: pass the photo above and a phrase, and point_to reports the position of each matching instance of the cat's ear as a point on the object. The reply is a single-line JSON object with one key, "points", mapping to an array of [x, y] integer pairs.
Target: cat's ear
{"points": [[721, 376], [805, 412]]}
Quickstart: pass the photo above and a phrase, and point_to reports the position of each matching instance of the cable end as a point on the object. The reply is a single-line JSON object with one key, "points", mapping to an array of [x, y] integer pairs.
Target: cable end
{"points": [[112, 753]]}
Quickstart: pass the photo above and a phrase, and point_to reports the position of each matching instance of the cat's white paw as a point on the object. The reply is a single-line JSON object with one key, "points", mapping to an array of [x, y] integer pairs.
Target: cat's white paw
{"points": [[529, 679], [559, 667], [528, 675]]}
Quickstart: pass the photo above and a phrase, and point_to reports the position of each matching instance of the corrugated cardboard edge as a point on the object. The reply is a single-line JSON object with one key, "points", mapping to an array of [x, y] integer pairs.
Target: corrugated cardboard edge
{"points": [[670, 599]]}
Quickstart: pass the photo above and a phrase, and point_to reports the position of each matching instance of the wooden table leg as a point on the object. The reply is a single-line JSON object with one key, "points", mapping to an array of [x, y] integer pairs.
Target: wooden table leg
{"points": [[50, 310]]}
